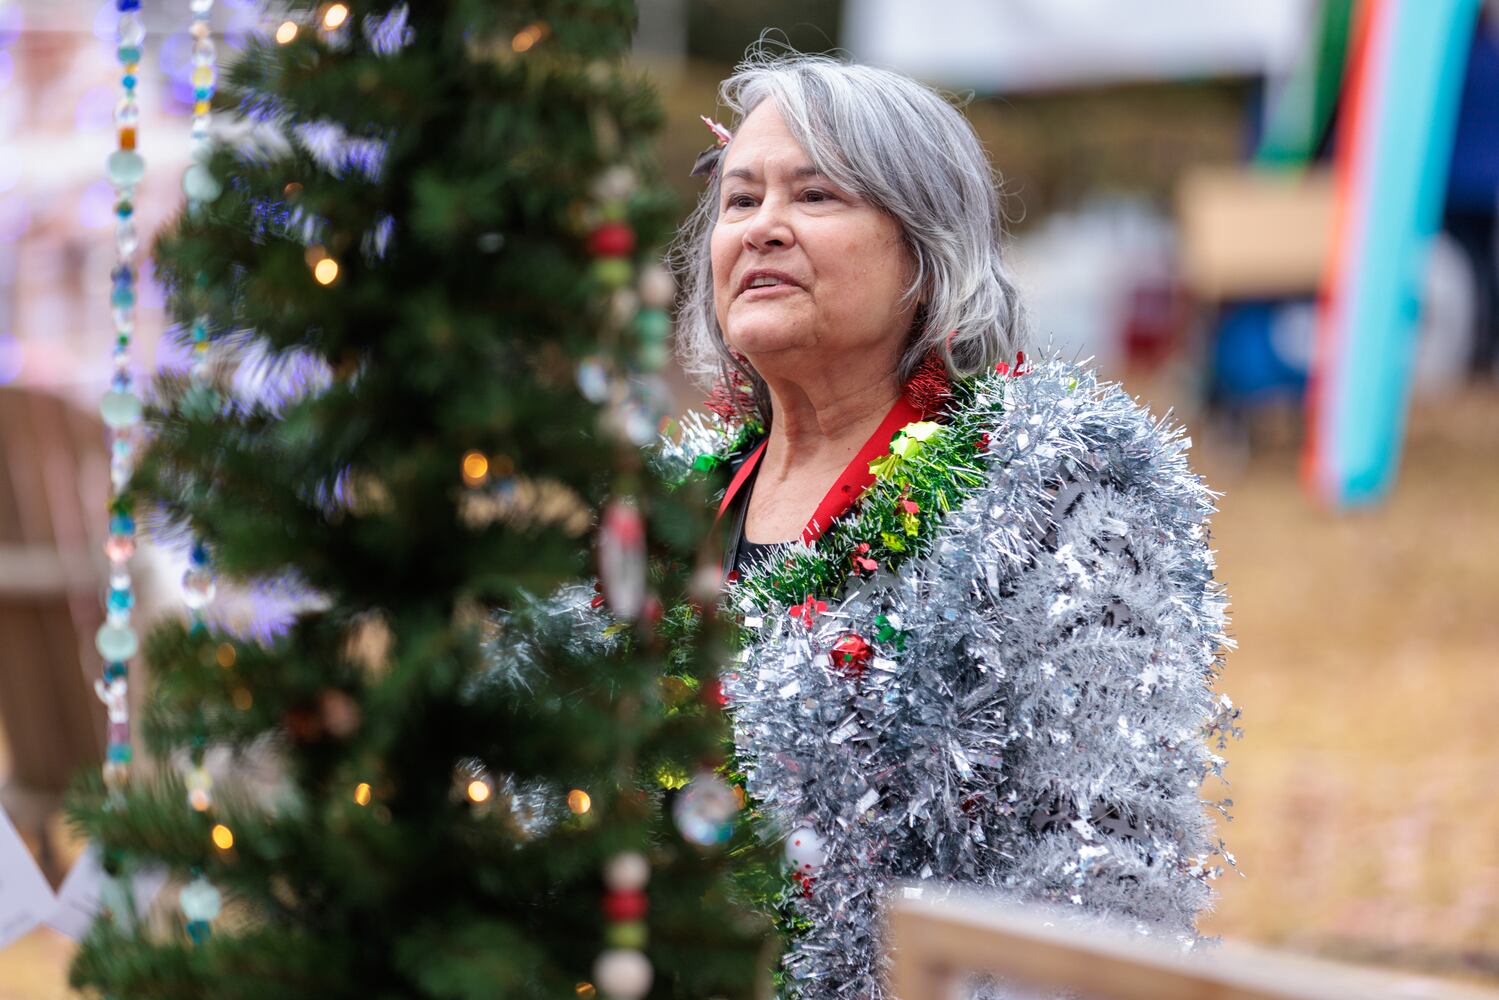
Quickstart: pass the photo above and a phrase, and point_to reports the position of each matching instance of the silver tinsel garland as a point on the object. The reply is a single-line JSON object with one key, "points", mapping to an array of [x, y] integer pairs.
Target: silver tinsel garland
{"points": [[1042, 723]]}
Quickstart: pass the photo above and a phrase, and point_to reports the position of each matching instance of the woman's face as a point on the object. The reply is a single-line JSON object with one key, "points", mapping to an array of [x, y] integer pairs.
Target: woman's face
{"points": [[833, 268]]}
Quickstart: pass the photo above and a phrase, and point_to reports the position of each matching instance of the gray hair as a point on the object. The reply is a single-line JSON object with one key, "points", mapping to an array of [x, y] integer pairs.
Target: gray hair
{"points": [[903, 148]]}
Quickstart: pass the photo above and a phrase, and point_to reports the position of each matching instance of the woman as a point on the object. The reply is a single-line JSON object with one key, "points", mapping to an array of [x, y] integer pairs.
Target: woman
{"points": [[979, 616]]}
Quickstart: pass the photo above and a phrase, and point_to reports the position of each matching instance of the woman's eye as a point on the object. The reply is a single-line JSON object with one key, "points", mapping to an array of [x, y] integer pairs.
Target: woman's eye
{"points": [[815, 195], [740, 201]]}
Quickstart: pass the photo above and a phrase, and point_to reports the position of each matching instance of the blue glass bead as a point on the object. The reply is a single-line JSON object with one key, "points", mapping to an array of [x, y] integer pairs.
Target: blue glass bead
{"points": [[122, 524], [128, 81], [119, 273], [198, 930], [113, 670], [199, 554], [124, 210], [200, 331], [202, 93], [198, 628], [125, 6], [121, 600], [119, 753], [123, 297], [129, 54]]}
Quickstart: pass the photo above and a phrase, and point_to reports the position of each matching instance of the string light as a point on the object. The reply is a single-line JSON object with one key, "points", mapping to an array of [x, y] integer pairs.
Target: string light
{"points": [[225, 655], [223, 837], [579, 801], [334, 15], [528, 36], [286, 32], [362, 793], [478, 791], [475, 468], [325, 271], [586, 991]]}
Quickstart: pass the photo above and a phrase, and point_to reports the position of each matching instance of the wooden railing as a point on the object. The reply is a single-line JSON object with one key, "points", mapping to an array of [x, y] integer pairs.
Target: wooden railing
{"points": [[938, 945]]}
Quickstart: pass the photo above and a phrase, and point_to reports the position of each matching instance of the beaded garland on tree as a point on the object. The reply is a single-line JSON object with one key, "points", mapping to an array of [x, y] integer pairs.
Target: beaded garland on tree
{"points": [[995, 670]]}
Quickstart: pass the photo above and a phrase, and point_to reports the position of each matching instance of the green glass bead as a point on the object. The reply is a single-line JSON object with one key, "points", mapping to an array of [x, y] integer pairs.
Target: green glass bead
{"points": [[120, 409], [199, 184], [129, 53], [122, 297], [126, 166], [612, 272], [116, 642]]}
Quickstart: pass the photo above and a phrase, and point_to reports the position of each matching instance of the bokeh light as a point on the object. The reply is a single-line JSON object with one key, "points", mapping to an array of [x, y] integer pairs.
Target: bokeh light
{"points": [[95, 110], [12, 358], [579, 801], [334, 15], [95, 205], [362, 793], [325, 271], [475, 468], [223, 837], [478, 791], [286, 32]]}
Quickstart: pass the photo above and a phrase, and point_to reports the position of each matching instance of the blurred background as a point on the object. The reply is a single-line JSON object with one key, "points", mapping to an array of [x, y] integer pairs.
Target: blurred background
{"points": [[1190, 205]]}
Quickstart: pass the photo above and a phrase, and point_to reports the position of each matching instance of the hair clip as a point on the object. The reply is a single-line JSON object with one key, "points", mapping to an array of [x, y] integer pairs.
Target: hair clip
{"points": [[707, 160]]}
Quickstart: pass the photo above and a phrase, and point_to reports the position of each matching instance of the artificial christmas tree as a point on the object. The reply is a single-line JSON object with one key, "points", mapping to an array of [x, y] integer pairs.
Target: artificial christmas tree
{"points": [[438, 233]]}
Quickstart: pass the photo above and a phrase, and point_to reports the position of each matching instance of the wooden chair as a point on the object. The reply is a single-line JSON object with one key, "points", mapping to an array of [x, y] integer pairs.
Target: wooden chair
{"points": [[54, 488]]}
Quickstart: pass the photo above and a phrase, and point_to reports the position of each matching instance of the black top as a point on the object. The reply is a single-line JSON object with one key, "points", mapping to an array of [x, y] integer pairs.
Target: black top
{"points": [[740, 552]]}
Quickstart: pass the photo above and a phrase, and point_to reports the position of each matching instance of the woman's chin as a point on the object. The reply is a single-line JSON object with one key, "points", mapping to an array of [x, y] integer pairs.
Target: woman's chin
{"points": [[761, 340]]}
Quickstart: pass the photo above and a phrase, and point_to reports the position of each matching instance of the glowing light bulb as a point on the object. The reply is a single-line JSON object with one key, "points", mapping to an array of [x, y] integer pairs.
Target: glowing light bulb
{"points": [[325, 271], [478, 791], [475, 468], [223, 837], [286, 32], [586, 991], [334, 15], [579, 801], [362, 793], [226, 655]]}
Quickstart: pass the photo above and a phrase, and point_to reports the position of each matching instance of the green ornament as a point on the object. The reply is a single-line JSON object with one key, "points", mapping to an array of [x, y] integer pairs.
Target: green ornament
{"points": [[612, 272], [627, 934], [652, 326]]}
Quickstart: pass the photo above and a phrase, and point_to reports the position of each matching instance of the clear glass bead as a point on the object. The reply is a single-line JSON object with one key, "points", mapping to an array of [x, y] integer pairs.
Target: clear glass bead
{"points": [[200, 6], [131, 31], [126, 241], [127, 112], [204, 52]]}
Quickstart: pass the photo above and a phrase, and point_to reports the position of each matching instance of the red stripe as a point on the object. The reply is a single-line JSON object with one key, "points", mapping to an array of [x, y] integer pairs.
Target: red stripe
{"points": [[737, 483], [856, 477]]}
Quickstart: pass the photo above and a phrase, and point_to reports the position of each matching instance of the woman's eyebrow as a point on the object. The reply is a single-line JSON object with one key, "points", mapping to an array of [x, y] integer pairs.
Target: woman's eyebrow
{"points": [[745, 173]]}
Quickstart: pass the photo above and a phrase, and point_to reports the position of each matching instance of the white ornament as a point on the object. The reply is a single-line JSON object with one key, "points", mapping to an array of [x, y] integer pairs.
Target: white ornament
{"points": [[628, 872], [658, 289], [804, 849], [622, 973]]}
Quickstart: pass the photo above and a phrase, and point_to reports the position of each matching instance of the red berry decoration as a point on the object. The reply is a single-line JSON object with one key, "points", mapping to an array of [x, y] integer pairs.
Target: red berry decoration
{"points": [[851, 655], [612, 239]]}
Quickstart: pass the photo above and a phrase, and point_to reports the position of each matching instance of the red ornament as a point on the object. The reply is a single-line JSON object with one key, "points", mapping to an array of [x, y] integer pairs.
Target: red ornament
{"points": [[982, 444], [851, 655], [612, 239], [622, 905], [1003, 367], [929, 385], [805, 881], [622, 559], [712, 694], [909, 506]]}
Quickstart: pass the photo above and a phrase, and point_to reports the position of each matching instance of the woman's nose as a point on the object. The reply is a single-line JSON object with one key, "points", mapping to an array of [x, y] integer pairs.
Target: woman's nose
{"points": [[769, 227]]}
